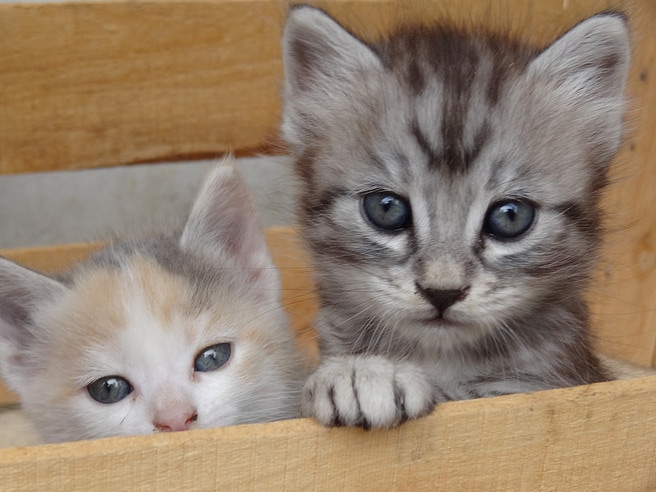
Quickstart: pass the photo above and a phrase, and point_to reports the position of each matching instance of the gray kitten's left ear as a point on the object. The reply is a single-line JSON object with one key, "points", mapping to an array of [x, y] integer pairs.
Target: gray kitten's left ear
{"points": [[224, 220], [323, 63], [317, 50]]}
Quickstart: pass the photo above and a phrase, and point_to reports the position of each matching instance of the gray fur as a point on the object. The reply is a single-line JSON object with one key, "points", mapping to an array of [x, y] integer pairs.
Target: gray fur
{"points": [[453, 121]]}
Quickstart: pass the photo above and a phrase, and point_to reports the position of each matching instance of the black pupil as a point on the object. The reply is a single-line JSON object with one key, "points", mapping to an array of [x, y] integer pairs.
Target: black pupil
{"points": [[386, 210], [212, 358], [509, 210], [109, 389], [509, 219]]}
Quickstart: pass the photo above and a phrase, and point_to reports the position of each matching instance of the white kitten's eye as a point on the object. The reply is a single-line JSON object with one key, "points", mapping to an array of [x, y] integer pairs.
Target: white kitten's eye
{"points": [[509, 219], [212, 358], [387, 210], [109, 389]]}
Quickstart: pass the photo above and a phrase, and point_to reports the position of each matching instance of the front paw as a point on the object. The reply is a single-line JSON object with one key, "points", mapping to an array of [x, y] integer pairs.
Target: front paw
{"points": [[366, 391]]}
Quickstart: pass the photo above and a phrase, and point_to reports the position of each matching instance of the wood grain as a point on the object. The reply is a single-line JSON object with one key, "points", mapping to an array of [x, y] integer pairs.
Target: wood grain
{"points": [[590, 438], [87, 85], [119, 82], [109, 83]]}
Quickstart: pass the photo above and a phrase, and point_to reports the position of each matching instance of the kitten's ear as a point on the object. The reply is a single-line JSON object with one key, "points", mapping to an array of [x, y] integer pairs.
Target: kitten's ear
{"points": [[588, 67], [322, 61], [224, 219], [22, 293]]}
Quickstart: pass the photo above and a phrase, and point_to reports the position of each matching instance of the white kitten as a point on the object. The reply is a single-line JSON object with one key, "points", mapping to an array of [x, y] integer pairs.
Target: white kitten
{"points": [[170, 333]]}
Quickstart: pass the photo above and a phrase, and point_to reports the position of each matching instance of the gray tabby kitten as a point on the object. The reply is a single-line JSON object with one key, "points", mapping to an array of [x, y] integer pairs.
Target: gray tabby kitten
{"points": [[451, 181]]}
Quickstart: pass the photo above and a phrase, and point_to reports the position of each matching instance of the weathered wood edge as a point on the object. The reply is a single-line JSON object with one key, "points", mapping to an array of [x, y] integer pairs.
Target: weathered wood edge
{"points": [[597, 437]]}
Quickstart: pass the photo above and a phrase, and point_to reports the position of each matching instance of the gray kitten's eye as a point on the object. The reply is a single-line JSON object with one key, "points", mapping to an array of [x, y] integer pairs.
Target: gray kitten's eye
{"points": [[212, 358], [509, 219], [387, 210], [109, 389]]}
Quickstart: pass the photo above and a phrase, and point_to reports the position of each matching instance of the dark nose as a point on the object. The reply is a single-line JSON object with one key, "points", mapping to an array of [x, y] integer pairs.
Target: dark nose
{"points": [[442, 299]]}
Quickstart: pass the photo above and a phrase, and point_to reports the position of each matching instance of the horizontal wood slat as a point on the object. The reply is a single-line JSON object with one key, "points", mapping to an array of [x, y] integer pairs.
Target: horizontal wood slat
{"points": [[85, 85], [108, 83], [118, 82], [595, 438]]}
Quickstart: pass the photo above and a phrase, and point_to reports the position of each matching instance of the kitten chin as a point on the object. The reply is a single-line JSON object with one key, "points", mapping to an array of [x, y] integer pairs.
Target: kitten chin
{"points": [[168, 333], [450, 186]]}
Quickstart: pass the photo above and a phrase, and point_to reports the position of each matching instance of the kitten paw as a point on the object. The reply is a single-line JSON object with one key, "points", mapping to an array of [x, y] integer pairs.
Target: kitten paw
{"points": [[366, 391]]}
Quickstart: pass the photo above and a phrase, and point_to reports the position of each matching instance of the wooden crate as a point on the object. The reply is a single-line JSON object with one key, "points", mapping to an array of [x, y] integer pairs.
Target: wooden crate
{"points": [[85, 85]]}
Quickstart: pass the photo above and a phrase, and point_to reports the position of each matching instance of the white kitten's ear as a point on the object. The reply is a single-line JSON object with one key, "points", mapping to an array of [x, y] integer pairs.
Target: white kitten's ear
{"points": [[588, 67], [224, 219], [322, 61], [22, 293]]}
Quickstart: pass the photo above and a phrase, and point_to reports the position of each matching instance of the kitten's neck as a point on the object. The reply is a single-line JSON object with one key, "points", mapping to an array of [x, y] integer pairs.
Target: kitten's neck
{"points": [[553, 340]]}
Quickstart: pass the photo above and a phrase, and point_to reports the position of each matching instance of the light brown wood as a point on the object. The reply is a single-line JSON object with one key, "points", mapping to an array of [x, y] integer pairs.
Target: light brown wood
{"points": [[109, 83], [624, 292], [118, 82], [595, 438], [85, 85]]}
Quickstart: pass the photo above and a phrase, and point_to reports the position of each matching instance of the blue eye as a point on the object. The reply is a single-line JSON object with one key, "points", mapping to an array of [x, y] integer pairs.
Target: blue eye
{"points": [[109, 389], [387, 210], [212, 358], [509, 219]]}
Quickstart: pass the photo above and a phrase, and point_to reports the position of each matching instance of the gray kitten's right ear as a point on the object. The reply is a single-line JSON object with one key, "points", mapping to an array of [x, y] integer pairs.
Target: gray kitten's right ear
{"points": [[323, 62], [22, 293], [591, 60]]}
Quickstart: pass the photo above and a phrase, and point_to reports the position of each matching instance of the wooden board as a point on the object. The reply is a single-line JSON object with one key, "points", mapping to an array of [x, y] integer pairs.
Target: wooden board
{"points": [[119, 82], [111, 83], [591, 438]]}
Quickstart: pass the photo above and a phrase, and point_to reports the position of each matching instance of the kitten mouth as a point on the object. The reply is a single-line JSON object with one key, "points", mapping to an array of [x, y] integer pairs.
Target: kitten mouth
{"points": [[438, 321]]}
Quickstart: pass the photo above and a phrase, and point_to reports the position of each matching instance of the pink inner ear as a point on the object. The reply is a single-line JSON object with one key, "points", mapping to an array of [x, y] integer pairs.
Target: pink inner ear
{"points": [[224, 218], [233, 214]]}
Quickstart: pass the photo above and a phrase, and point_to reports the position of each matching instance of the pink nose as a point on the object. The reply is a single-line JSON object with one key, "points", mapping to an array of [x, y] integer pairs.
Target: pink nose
{"points": [[175, 422]]}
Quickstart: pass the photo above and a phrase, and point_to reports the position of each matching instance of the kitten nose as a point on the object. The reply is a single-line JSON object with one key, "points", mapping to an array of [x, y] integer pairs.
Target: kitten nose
{"points": [[442, 299], [175, 421]]}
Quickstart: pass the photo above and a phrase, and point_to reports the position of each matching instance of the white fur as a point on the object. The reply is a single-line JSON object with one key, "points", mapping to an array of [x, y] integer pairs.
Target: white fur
{"points": [[370, 391], [126, 314]]}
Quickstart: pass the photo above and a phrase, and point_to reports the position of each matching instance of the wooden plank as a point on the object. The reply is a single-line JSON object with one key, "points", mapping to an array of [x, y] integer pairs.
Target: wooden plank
{"points": [[596, 438], [624, 292], [118, 82], [108, 83], [298, 296], [51, 259], [142, 77]]}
